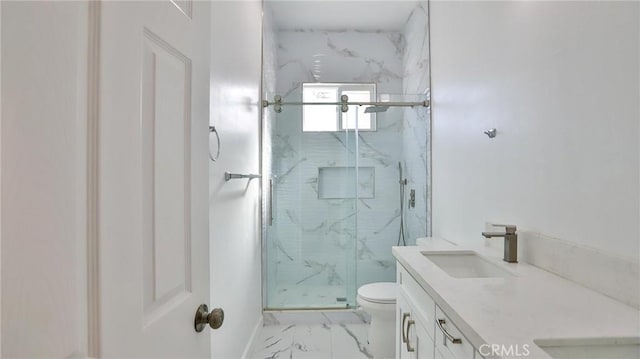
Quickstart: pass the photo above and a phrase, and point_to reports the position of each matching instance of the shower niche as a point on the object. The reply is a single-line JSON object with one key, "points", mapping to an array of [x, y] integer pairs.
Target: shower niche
{"points": [[345, 141], [360, 180]]}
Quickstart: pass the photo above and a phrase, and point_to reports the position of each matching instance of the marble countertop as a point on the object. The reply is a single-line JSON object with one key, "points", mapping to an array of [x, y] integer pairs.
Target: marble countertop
{"points": [[532, 304]]}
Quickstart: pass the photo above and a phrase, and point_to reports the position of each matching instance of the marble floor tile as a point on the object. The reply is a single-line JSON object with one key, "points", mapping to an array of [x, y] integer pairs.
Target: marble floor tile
{"points": [[347, 317], [316, 341], [275, 341], [312, 341], [291, 317], [349, 341], [337, 334], [270, 318]]}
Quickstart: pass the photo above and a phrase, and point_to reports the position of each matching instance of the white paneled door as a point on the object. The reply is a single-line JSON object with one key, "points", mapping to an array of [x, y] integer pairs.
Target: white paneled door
{"points": [[44, 170], [153, 178]]}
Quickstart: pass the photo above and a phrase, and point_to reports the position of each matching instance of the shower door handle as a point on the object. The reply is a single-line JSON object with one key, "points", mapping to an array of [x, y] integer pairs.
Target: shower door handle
{"points": [[270, 202]]}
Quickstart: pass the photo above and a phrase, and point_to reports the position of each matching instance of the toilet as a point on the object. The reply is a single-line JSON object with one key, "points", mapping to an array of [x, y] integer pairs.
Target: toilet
{"points": [[379, 301]]}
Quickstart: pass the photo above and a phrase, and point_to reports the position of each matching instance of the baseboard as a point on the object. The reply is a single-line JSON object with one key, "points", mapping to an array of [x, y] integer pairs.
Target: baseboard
{"points": [[248, 350]]}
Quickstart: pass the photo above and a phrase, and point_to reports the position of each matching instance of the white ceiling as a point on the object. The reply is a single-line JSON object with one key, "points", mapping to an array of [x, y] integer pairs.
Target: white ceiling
{"points": [[364, 15]]}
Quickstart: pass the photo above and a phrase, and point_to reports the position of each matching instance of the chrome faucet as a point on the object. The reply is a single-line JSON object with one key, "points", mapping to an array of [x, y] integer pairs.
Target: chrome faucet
{"points": [[510, 241]]}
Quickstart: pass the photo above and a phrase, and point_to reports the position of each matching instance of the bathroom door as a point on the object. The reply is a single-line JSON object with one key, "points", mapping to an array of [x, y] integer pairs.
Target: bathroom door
{"points": [[153, 178]]}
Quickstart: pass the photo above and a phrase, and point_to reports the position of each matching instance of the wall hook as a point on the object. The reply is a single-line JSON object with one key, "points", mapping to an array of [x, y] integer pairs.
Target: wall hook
{"points": [[491, 133]]}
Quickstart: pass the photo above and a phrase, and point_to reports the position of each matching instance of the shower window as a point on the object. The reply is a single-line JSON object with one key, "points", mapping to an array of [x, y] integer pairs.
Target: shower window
{"points": [[321, 118]]}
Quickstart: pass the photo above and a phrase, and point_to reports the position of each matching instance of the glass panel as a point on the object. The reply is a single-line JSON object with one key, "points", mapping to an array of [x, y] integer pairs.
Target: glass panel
{"points": [[311, 243], [326, 242], [356, 117]]}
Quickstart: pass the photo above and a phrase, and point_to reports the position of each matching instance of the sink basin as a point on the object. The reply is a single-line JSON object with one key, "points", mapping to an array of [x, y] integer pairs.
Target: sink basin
{"points": [[591, 348], [465, 264]]}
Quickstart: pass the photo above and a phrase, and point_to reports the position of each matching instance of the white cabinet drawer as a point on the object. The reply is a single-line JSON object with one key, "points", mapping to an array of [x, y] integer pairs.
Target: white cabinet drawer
{"points": [[424, 343], [463, 350], [423, 305]]}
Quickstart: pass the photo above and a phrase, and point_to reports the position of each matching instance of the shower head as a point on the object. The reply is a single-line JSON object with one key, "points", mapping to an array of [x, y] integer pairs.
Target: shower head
{"points": [[376, 109]]}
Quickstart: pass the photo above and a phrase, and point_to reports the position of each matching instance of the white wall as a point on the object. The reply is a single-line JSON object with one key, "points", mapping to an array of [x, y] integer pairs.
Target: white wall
{"points": [[0, 179], [560, 82], [44, 88], [235, 205]]}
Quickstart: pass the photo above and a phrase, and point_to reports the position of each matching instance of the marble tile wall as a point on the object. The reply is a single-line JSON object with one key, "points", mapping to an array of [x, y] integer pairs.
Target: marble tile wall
{"points": [[318, 242], [317, 238], [343, 56]]}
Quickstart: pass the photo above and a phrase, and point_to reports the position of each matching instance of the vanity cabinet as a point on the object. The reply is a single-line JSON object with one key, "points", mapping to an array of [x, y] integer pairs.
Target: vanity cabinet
{"points": [[423, 330], [414, 340]]}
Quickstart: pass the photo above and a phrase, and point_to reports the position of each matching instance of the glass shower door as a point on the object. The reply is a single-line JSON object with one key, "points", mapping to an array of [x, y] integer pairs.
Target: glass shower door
{"points": [[311, 226]]}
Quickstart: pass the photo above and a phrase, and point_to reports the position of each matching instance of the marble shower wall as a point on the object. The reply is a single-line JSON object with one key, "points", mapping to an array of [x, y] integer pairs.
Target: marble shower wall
{"points": [[344, 56], [316, 238], [318, 242]]}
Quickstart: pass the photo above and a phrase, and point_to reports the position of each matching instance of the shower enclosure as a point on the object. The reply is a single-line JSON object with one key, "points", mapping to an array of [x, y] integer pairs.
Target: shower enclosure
{"points": [[345, 160]]}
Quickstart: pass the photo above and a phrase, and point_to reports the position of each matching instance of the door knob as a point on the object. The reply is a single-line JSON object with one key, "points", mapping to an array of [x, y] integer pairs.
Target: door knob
{"points": [[203, 317]]}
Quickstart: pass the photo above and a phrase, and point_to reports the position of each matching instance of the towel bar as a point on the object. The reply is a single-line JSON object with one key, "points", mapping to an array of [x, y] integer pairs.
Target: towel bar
{"points": [[229, 176]]}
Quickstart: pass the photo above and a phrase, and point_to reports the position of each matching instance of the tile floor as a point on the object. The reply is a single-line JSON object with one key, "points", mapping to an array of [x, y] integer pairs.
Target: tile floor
{"points": [[326, 335]]}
